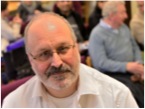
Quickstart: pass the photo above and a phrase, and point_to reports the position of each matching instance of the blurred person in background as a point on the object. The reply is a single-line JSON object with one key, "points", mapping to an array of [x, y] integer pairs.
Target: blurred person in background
{"points": [[28, 9], [137, 25], [65, 9], [114, 51], [10, 30], [77, 7], [96, 15]]}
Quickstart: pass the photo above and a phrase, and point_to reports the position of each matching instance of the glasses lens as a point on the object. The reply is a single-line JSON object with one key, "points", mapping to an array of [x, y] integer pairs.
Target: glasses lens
{"points": [[46, 55]]}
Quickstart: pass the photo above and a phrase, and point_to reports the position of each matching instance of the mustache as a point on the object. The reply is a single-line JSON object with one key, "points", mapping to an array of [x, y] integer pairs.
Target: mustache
{"points": [[60, 69]]}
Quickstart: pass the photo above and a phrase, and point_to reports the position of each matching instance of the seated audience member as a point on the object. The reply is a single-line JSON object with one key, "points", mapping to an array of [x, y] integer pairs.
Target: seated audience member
{"points": [[61, 81], [137, 25], [96, 15], [114, 51], [10, 30], [77, 7], [28, 9], [65, 9]]}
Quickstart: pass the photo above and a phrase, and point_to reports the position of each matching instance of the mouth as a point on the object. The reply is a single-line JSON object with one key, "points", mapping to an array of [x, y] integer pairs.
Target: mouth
{"points": [[55, 73], [58, 76]]}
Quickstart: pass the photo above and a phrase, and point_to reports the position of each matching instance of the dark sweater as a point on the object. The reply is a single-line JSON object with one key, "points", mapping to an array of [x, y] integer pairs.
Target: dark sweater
{"points": [[78, 20]]}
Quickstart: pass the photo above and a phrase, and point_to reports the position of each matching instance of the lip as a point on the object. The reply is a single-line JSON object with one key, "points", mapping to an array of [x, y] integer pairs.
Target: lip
{"points": [[57, 73]]}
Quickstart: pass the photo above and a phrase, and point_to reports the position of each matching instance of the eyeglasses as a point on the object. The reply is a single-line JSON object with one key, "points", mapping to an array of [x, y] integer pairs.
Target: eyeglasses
{"points": [[47, 54]]}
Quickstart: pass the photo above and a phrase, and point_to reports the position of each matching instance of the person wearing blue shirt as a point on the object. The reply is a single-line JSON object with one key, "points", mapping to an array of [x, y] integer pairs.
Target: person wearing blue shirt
{"points": [[114, 51]]}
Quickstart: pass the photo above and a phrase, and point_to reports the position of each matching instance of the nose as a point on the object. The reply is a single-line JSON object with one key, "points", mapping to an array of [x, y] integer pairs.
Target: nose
{"points": [[56, 60]]}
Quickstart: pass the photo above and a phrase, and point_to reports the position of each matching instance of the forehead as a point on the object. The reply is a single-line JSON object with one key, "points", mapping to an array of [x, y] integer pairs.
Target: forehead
{"points": [[48, 30], [121, 8]]}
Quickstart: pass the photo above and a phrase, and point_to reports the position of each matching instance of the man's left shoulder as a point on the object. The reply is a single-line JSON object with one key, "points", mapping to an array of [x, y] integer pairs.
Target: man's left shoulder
{"points": [[102, 79]]}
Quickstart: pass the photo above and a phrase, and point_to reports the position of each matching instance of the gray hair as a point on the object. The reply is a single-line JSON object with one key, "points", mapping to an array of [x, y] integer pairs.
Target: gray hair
{"points": [[37, 17], [111, 7]]}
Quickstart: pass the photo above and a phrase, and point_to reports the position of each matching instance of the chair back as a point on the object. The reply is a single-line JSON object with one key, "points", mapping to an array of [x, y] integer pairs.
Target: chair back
{"points": [[8, 88]]}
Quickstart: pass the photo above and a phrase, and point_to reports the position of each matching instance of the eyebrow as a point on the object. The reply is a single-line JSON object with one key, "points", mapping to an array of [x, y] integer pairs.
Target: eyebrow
{"points": [[49, 49], [63, 43]]}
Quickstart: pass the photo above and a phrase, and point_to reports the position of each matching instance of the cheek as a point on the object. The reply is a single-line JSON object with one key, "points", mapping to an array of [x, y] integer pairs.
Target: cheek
{"points": [[118, 19], [73, 59], [40, 68]]}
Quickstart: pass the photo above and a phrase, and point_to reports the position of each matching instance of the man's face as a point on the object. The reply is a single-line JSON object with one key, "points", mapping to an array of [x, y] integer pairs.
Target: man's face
{"points": [[55, 70], [120, 16], [64, 6]]}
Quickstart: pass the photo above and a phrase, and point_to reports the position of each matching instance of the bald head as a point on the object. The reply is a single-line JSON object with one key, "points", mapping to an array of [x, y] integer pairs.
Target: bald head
{"points": [[50, 23]]}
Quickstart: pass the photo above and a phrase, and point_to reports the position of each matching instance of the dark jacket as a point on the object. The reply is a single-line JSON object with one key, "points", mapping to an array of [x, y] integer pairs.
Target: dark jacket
{"points": [[95, 18], [78, 20], [24, 12]]}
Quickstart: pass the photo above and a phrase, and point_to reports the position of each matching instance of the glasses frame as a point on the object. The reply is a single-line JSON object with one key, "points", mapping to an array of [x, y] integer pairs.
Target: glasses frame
{"points": [[37, 56]]}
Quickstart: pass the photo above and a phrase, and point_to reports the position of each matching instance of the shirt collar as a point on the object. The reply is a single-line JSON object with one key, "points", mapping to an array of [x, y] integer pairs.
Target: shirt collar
{"points": [[39, 89], [85, 86], [107, 26]]}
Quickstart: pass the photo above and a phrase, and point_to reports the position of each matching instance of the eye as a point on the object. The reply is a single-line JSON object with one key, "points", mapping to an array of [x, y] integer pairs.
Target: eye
{"points": [[63, 49], [44, 55]]}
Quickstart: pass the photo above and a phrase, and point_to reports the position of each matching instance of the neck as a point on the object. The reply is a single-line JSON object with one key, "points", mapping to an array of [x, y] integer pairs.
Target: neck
{"points": [[62, 93], [111, 23]]}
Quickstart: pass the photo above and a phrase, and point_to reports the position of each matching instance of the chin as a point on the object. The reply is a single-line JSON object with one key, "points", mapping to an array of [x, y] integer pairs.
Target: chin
{"points": [[59, 85], [60, 82]]}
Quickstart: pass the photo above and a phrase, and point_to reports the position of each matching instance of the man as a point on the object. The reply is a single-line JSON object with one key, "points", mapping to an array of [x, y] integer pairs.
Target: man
{"points": [[65, 9], [60, 80], [96, 15], [114, 51], [137, 25], [10, 30], [27, 9]]}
